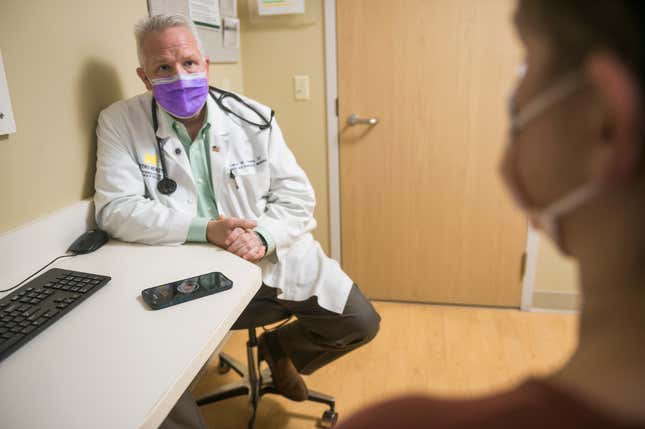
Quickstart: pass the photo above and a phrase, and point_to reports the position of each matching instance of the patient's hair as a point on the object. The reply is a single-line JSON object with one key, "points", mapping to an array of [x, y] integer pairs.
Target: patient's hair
{"points": [[576, 28], [159, 23]]}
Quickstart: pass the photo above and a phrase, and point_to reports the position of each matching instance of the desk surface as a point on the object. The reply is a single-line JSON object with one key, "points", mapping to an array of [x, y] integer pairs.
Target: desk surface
{"points": [[111, 362]]}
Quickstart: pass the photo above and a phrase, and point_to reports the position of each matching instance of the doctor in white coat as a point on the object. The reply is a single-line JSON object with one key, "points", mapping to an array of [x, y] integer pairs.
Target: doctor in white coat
{"points": [[180, 163]]}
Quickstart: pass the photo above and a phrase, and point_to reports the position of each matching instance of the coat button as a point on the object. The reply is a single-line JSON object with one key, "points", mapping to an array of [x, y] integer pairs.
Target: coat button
{"points": [[178, 151]]}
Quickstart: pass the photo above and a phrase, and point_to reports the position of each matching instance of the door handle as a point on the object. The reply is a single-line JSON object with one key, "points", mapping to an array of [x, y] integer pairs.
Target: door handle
{"points": [[353, 119]]}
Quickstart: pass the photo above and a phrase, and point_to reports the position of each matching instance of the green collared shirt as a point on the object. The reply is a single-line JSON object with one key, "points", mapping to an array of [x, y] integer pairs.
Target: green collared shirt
{"points": [[198, 152]]}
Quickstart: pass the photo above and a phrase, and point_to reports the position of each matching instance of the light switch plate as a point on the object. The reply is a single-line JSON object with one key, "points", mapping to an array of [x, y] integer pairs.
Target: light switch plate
{"points": [[7, 123], [301, 87]]}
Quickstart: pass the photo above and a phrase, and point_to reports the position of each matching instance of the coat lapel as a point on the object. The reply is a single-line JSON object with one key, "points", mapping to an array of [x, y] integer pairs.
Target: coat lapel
{"points": [[173, 150]]}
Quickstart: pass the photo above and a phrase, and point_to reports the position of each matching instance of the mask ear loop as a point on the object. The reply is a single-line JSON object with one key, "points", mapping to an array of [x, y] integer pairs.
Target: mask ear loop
{"points": [[565, 87], [534, 108], [547, 217]]}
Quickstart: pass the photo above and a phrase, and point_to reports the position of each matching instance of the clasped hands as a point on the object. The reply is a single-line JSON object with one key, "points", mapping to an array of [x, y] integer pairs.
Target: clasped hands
{"points": [[237, 236]]}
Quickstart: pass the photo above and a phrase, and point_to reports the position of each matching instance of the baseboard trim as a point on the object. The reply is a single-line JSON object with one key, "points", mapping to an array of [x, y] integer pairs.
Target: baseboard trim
{"points": [[554, 300]]}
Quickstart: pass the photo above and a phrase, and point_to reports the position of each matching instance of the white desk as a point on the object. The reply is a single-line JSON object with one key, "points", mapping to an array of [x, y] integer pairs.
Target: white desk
{"points": [[111, 362]]}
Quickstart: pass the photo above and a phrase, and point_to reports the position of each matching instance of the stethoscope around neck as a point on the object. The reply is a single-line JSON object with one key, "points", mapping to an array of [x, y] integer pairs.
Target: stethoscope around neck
{"points": [[167, 185]]}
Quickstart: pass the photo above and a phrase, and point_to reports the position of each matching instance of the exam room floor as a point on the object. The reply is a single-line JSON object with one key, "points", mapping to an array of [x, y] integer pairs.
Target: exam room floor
{"points": [[441, 350]]}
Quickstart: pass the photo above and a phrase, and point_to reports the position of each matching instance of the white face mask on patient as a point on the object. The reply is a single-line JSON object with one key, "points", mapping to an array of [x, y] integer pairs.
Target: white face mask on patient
{"points": [[546, 218]]}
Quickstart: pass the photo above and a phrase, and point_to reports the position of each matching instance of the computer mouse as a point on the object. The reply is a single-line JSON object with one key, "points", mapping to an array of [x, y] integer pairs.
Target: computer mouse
{"points": [[89, 241]]}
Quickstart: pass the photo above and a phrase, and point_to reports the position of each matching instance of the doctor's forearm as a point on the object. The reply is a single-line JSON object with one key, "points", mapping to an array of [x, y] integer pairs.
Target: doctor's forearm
{"points": [[141, 221]]}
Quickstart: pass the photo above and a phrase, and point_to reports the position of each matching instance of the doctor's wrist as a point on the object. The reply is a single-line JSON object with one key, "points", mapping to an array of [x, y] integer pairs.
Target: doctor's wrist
{"points": [[220, 230], [268, 242], [213, 235], [262, 240]]}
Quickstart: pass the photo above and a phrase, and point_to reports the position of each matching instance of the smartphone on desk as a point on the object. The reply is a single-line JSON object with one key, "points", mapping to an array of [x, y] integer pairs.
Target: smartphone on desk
{"points": [[179, 291]]}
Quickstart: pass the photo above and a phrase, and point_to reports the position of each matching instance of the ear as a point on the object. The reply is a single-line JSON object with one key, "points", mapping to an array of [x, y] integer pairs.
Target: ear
{"points": [[144, 78], [617, 157]]}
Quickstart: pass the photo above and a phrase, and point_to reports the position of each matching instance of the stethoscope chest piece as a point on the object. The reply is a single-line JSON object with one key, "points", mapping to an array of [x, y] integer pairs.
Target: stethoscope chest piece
{"points": [[167, 186]]}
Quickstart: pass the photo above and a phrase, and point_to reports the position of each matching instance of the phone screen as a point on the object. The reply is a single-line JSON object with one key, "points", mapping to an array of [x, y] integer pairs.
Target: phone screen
{"points": [[185, 290]]}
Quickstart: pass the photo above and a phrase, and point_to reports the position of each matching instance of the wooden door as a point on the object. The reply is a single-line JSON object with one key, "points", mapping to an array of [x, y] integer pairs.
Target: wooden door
{"points": [[424, 215]]}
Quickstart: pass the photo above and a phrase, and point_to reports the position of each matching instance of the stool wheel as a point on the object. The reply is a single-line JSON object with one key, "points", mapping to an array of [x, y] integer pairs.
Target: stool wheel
{"points": [[223, 367], [329, 419]]}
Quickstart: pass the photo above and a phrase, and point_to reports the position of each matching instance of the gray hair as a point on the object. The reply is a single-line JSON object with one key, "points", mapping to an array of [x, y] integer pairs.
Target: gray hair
{"points": [[159, 23]]}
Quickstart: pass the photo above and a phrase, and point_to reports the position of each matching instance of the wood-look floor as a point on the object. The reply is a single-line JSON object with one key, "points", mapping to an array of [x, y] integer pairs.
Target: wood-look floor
{"points": [[442, 350]]}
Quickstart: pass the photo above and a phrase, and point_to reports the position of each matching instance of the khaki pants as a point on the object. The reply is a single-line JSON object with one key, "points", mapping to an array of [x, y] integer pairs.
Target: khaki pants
{"points": [[314, 339]]}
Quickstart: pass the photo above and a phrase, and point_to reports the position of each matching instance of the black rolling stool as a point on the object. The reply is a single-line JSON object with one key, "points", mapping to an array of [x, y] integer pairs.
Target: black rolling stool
{"points": [[256, 383]]}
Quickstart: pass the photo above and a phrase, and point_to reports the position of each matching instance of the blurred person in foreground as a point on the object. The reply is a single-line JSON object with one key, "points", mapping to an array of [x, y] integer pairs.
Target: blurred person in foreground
{"points": [[575, 165]]}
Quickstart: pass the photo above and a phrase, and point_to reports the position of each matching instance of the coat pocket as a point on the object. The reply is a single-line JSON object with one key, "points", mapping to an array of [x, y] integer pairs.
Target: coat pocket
{"points": [[248, 192]]}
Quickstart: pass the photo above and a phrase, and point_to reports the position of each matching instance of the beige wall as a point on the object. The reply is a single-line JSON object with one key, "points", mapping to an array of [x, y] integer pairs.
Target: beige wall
{"points": [[274, 49], [65, 61], [227, 76]]}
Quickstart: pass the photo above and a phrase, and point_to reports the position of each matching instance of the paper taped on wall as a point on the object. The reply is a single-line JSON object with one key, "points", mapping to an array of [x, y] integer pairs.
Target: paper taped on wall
{"points": [[280, 7], [205, 12], [7, 122]]}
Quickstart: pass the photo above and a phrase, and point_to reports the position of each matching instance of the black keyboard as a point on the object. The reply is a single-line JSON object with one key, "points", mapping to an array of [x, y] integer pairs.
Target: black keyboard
{"points": [[37, 304]]}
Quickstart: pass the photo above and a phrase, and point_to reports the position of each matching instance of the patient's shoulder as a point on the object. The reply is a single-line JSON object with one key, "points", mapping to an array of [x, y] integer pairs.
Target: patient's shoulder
{"points": [[535, 404]]}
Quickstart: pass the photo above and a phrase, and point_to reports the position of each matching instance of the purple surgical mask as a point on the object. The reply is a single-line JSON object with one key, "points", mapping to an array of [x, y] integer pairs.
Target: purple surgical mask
{"points": [[182, 95]]}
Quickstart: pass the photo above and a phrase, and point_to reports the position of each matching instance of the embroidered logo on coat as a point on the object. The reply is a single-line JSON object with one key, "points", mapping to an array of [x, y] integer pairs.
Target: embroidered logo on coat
{"points": [[150, 159]]}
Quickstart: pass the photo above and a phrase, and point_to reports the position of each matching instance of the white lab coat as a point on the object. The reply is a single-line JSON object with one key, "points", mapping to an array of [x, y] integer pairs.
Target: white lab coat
{"points": [[267, 186]]}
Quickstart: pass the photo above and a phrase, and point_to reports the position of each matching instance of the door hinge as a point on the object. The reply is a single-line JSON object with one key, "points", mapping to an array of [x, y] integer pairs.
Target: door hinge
{"points": [[336, 107], [523, 266]]}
